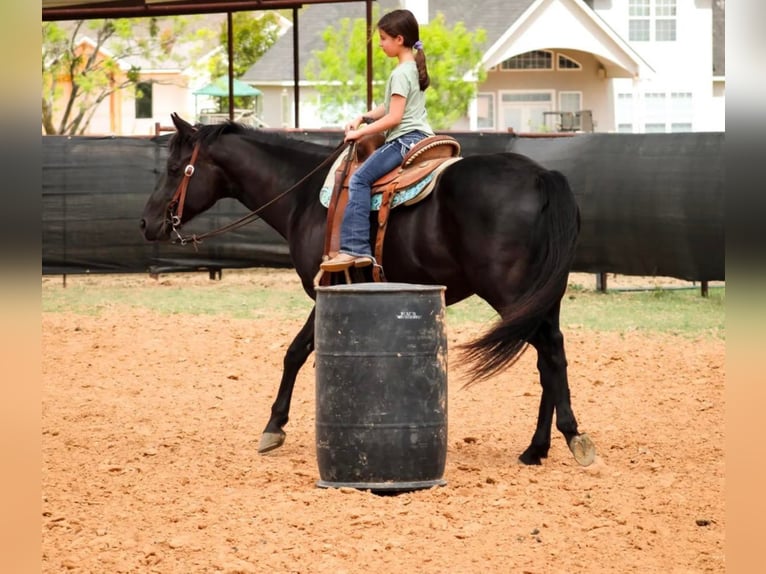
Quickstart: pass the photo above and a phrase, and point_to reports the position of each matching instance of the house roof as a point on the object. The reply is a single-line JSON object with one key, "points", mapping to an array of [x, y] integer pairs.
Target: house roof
{"points": [[568, 24], [509, 25], [493, 17]]}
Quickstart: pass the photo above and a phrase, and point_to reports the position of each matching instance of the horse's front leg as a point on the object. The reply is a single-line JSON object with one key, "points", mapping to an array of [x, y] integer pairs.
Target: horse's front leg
{"points": [[552, 365], [299, 350]]}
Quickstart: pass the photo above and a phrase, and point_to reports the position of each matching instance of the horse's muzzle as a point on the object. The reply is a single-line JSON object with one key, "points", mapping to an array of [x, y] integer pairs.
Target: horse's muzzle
{"points": [[154, 231]]}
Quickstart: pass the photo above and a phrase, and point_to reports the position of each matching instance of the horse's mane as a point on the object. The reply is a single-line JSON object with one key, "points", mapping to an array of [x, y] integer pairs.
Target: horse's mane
{"points": [[206, 134]]}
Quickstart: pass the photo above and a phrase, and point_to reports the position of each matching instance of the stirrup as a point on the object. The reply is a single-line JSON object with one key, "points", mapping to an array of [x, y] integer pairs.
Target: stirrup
{"points": [[357, 262], [321, 272]]}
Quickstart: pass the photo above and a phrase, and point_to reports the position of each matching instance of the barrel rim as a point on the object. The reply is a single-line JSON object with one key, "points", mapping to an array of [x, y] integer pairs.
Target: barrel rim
{"points": [[377, 287]]}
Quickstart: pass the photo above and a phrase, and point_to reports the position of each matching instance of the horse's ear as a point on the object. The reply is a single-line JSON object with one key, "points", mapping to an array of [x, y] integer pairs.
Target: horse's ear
{"points": [[183, 127]]}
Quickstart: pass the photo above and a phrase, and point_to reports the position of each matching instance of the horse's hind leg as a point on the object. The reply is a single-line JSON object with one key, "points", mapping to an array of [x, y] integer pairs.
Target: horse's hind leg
{"points": [[552, 365], [299, 350]]}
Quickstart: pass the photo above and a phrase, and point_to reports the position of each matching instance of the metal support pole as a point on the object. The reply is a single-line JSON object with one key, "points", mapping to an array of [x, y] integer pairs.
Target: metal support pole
{"points": [[601, 282], [230, 47], [296, 70], [368, 6]]}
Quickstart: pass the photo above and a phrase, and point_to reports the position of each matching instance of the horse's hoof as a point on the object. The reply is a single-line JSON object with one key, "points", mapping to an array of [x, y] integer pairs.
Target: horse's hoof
{"points": [[270, 441], [533, 456], [583, 449]]}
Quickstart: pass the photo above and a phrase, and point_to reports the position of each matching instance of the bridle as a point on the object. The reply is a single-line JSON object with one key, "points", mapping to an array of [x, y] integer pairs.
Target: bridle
{"points": [[176, 205]]}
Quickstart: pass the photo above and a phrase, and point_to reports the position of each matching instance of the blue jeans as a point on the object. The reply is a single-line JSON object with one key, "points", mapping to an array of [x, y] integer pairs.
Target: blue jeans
{"points": [[355, 229]]}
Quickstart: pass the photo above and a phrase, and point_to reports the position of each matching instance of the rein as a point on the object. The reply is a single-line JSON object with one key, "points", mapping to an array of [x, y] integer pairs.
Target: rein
{"points": [[180, 196]]}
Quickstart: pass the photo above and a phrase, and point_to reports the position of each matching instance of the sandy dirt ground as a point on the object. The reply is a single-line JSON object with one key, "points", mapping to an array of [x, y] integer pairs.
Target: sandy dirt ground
{"points": [[150, 432]]}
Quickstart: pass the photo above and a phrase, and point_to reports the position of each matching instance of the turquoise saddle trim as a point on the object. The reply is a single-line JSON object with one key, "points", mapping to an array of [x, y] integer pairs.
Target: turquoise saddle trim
{"points": [[401, 196]]}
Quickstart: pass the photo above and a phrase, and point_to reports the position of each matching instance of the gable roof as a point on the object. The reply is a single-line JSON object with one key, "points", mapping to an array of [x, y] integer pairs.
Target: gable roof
{"points": [[577, 27], [505, 22]]}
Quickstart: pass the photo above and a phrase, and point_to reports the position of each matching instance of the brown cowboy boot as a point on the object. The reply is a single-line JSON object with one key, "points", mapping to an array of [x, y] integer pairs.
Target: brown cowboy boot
{"points": [[345, 260]]}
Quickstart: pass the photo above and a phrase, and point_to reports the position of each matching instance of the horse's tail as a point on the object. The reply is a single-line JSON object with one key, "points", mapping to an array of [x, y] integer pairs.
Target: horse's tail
{"points": [[556, 236]]}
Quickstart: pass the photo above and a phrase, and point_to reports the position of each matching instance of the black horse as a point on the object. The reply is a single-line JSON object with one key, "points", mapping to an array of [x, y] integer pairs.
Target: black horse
{"points": [[499, 226]]}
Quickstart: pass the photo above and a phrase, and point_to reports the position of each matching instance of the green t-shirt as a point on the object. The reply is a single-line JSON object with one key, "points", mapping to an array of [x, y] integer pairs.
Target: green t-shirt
{"points": [[404, 81]]}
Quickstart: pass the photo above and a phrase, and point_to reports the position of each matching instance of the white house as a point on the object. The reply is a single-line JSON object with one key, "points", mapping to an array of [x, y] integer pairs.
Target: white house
{"points": [[633, 66]]}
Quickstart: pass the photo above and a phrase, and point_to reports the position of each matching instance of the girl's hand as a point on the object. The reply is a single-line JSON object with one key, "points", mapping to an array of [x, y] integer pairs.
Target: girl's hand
{"points": [[353, 134], [352, 125]]}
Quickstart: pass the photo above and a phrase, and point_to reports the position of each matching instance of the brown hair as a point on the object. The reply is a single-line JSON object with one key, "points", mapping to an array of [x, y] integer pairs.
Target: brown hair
{"points": [[403, 23]]}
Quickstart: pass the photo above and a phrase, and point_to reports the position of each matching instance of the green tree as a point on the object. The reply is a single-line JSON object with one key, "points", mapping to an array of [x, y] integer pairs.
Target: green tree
{"points": [[76, 78], [253, 33], [340, 70]]}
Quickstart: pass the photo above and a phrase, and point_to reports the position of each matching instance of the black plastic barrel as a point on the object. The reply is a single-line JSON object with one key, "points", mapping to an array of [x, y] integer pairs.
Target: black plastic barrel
{"points": [[381, 386]]}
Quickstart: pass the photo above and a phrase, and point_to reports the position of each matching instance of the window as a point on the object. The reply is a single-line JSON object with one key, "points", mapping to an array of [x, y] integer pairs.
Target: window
{"points": [[524, 111], [485, 111], [527, 97], [678, 127], [665, 31], [624, 112], [144, 100], [654, 128], [538, 60], [681, 111], [681, 104], [668, 112], [567, 63], [570, 101], [287, 109], [665, 25], [534, 60], [638, 30], [638, 24], [652, 20], [654, 105]]}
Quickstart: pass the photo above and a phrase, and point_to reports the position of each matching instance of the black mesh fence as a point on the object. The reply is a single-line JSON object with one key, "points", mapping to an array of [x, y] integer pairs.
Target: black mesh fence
{"points": [[651, 204]]}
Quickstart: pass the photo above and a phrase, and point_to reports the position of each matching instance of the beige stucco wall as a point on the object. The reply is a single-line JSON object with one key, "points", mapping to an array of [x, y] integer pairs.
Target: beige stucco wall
{"points": [[595, 89]]}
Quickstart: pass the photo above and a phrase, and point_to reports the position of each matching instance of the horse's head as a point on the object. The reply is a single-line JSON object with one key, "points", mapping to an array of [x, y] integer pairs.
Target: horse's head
{"points": [[190, 185]]}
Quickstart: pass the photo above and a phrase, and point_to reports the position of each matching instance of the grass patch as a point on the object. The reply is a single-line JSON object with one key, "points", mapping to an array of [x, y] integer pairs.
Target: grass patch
{"points": [[674, 311], [677, 311], [215, 298]]}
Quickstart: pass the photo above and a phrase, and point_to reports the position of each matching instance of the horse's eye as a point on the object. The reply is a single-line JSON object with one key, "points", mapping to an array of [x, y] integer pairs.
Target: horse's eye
{"points": [[174, 170]]}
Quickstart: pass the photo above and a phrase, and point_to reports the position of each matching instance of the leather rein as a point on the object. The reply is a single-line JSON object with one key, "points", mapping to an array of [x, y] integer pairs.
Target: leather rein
{"points": [[176, 205]]}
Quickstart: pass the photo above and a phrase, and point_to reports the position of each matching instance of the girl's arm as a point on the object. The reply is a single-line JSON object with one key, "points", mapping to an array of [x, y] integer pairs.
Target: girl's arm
{"points": [[382, 121], [373, 114]]}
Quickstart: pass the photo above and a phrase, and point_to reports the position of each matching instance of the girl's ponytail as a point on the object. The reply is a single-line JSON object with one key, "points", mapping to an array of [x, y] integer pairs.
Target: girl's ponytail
{"points": [[420, 61]]}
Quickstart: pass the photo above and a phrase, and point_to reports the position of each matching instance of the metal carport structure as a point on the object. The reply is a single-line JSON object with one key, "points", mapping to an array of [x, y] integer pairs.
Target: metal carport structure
{"points": [[53, 10]]}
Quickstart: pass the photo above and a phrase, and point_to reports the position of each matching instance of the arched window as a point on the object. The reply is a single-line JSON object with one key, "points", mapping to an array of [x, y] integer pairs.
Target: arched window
{"points": [[566, 63], [534, 60], [539, 60]]}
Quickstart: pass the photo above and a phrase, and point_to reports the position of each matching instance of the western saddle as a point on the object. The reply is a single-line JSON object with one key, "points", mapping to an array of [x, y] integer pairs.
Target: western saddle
{"points": [[427, 158]]}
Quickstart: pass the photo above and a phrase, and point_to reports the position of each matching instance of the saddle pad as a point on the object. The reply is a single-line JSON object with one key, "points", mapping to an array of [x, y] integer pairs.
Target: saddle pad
{"points": [[407, 195]]}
